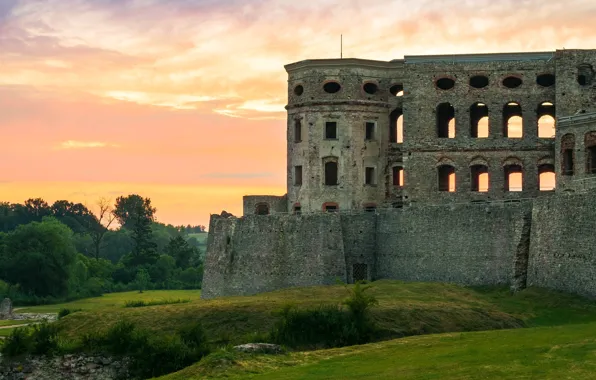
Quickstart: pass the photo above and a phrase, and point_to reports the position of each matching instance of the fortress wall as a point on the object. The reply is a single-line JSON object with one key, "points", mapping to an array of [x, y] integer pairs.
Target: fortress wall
{"points": [[469, 244], [563, 243], [359, 241], [257, 254]]}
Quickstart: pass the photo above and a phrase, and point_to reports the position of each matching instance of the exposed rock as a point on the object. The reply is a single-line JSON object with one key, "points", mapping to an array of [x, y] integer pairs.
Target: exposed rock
{"points": [[48, 317], [67, 367], [6, 309], [261, 348]]}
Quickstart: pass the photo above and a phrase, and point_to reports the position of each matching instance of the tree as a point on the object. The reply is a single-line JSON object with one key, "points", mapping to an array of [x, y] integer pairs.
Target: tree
{"points": [[132, 207], [142, 279], [136, 214], [181, 250], [104, 219], [38, 256]]}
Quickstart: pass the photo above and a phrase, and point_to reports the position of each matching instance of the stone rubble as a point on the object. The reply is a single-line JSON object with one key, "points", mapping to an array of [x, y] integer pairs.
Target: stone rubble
{"points": [[67, 367]]}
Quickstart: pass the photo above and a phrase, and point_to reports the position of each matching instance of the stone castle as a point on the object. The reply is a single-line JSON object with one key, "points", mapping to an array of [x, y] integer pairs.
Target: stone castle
{"points": [[475, 169]]}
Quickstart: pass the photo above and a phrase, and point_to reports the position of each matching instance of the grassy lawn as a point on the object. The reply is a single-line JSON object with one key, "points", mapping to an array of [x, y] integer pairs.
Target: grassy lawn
{"points": [[114, 300], [13, 323], [561, 352]]}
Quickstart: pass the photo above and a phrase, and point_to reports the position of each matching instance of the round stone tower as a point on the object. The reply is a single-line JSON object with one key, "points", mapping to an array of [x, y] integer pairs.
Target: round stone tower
{"points": [[339, 134]]}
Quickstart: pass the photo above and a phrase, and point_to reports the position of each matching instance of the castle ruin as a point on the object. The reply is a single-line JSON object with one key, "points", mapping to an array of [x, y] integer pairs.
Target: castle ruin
{"points": [[460, 168]]}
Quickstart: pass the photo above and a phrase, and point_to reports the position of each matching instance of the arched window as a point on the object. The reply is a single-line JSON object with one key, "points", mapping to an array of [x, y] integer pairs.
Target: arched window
{"points": [[513, 173], [445, 121], [479, 178], [567, 154], [297, 209], [512, 120], [545, 113], [479, 120], [330, 164], [590, 145], [446, 175], [398, 176], [262, 209], [396, 126], [546, 175]]}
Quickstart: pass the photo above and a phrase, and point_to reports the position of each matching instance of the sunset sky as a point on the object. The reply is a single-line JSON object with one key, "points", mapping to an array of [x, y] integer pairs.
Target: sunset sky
{"points": [[182, 100]]}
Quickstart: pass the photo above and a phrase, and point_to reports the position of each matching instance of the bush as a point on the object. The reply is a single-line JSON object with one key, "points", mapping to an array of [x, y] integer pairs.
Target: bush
{"points": [[325, 326], [64, 312], [328, 325], [45, 339], [151, 355], [19, 342]]}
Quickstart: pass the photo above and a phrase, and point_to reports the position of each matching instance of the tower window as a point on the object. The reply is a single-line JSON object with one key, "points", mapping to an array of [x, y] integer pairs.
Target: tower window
{"points": [[446, 178], [331, 173], [331, 130], [297, 131], [298, 175], [398, 176], [370, 130], [369, 176]]}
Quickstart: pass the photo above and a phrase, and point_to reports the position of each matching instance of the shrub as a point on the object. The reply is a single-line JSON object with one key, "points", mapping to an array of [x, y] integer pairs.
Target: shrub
{"points": [[64, 312], [328, 325], [45, 339], [19, 342], [325, 326]]}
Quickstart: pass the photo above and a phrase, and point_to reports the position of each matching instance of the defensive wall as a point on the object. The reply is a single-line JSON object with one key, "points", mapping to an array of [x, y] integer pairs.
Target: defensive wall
{"points": [[464, 243], [546, 242]]}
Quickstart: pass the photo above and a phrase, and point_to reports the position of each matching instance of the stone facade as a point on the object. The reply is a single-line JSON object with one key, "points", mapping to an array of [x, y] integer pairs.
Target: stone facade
{"points": [[448, 152]]}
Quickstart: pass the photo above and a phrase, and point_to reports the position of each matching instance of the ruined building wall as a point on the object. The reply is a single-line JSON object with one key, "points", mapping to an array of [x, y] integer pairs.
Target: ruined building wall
{"points": [[562, 253], [468, 244], [258, 253], [426, 151], [262, 253]]}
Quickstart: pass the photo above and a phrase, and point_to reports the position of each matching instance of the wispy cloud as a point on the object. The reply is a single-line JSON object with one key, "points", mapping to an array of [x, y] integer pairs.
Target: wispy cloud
{"points": [[72, 144]]}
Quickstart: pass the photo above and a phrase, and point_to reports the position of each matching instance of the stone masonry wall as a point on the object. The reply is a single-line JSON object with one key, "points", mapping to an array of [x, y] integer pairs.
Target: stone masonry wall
{"points": [[563, 244], [468, 244], [257, 253]]}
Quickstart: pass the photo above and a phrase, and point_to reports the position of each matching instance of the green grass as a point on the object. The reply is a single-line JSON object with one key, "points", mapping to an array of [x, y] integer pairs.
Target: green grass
{"points": [[561, 352], [114, 300], [142, 303], [13, 323]]}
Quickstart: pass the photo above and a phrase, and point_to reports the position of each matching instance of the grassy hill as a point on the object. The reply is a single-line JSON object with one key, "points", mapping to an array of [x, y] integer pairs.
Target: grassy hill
{"points": [[404, 310], [561, 352]]}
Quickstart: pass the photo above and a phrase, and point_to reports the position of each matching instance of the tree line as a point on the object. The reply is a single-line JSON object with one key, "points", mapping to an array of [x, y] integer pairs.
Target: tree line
{"points": [[67, 250]]}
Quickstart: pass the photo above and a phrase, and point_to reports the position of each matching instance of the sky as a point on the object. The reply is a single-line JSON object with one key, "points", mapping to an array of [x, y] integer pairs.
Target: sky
{"points": [[182, 101]]}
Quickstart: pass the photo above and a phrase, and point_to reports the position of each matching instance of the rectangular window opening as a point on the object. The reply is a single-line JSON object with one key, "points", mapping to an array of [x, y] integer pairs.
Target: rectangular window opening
{"points": [[298, 175], [297, 131], [331, 130], [568, 162], [591, 160], [369, 175], [370, 131]]}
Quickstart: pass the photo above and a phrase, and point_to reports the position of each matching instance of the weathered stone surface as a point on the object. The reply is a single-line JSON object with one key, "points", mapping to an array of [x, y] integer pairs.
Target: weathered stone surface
{"points": [[263, 348], [418, 232], [6, 309], [71, 367]]}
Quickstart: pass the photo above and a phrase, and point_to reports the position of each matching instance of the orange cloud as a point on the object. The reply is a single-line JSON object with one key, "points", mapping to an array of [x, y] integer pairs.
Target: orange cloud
{"points": [[192, 93]]}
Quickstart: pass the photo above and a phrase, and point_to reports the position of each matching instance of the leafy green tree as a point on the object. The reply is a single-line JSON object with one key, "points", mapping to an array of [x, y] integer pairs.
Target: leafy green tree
{"points": [[116, 244], [38, 256], [162, 271], [132, 208], [181, 250], [191, 278], [142, 279]]}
